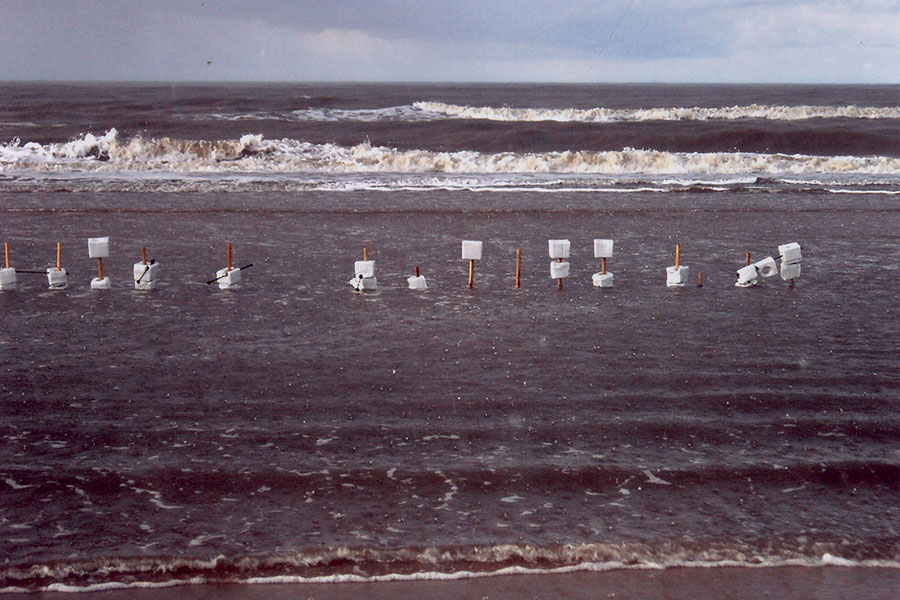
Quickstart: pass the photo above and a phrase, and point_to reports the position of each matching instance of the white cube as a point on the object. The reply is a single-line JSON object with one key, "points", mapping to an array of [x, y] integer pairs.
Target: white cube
{"points": [[747, 276], [790, 253], [603, 280], [98, 247], [677, 276], [7, 279], [100, 284], [471, 250], [766, 267], [228, 279], [366, 268], [364, 283], [559, 270], [145, 276], [58, 279], [417, 283], [603, 248], [559, 248], [790, 271]]}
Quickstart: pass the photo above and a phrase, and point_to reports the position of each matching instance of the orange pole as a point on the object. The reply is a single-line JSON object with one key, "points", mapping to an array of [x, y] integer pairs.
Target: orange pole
{"points": [[100, 267], [677, 255], [560, 279], [699, 278], [471, 272], [518, 267], [365, 254], [59, 256], [143, 255], [229, 256], [603, 266], [6, 252], [748, 259]]}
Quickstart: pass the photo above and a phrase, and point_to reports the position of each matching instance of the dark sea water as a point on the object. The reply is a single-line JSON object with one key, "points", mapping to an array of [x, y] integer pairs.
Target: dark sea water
{"points": [[295, 430]]}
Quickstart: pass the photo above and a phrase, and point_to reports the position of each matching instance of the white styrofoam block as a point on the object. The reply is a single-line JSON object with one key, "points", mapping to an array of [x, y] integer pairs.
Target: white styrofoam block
{"points": [[790, 253], [98, 247], [417, 283], [366, 268], [766, 267], [58, 280], [603, 280], [364, 283], [559, 248], [603, 248], [100, 284], [471, 250], [747, 276], [228, 279], [559, 270], [677, 276], [790, 271], [146, 277], [7, 279]]}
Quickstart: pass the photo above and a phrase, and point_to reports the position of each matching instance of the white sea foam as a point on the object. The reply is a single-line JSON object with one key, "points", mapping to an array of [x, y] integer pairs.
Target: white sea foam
{"points": [[607, 115]]}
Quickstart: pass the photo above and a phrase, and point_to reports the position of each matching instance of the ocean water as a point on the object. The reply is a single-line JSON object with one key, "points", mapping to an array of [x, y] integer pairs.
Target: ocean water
{"points": [[292, 430]]}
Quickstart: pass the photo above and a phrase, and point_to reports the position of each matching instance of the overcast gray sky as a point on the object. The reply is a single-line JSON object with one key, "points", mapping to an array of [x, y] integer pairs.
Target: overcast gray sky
{"points": [[452, 40]]}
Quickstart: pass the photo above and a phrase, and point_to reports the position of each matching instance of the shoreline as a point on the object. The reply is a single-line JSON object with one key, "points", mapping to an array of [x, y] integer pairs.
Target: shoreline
{"points": [[673, 583]]}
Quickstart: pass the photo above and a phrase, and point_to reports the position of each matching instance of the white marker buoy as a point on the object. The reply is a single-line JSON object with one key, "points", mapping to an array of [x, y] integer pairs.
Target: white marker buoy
{"points": [[559, 249], [230, 276], [603, 249], [145, 274], [7, 275], [677, 275], [790, 255], [417, 282], [364, 274], [471, 251], [99, 248], [57, 277]]}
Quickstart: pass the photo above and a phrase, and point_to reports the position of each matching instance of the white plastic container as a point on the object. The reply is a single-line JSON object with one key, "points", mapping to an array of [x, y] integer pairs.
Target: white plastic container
{"points": [[559, 248], [364, 283], [100, 284], [790, 271], [790, 253], [417, 283], [146, 276], [747, 276], [228, 279], [8, 279], [471, 250], [766, 267], [58, 279], [559, 270], [603, 248], [366, 268], [98, 247], [677, 276], [603, 280]]}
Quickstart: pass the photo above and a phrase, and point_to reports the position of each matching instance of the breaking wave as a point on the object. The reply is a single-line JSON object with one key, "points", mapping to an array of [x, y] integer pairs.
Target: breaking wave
{"points": [[345, 564], [610, 115]]}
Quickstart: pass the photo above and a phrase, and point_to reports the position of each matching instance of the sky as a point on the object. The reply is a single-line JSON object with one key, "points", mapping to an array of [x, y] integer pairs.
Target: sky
{"points": [[729, 41]]}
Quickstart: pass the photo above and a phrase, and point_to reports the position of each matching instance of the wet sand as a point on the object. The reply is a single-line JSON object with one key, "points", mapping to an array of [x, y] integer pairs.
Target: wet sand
{"points": [[858, 583]]}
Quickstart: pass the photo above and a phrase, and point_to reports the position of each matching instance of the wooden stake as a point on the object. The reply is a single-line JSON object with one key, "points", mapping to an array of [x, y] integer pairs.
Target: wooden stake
{"points": [[603, 266], [699, 278], [143, 255], [229, 256], [6, 252], [559, 260], [417, 271], [365, 253], [677, 255], [518, 268], [100, 267], [471, 272], [59, 256], [748, 259]]}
